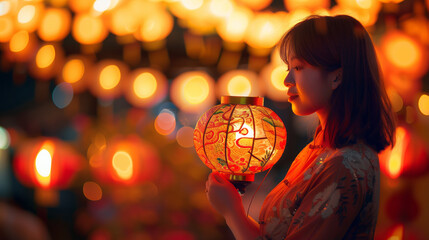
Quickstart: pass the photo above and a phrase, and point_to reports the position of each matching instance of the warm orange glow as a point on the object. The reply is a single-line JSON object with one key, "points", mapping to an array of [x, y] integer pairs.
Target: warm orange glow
{"points": [[221, 8], [395, 100], [4, 7], [109, 77], [28, 16], [424, 104], [311, 5], [195, 90], [45, 56], [7, 29], [239, 86], [156, 26], [367, 5], [278, 76], [398, 233], [394, 163], [55, 24], [88, 29], [273, 76], [26, 13], [145, 85], [233, 27], [239, 83], [43, 164], [165, 123], [106, 80], [81, 6], [265, 30], [73, 70], [92, 191], [255, 4], [185, 137], [123, 164], [192, 4], [403, 52], [19, 41], [123, 22]]}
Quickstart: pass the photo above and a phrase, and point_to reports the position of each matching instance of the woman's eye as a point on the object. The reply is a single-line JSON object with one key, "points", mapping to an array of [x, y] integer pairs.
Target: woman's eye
{"points": [[297, 68]]}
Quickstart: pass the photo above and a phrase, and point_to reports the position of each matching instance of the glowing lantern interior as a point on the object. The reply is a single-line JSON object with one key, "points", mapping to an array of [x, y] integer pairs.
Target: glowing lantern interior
{"points": [[43, 164], [240, 137]]}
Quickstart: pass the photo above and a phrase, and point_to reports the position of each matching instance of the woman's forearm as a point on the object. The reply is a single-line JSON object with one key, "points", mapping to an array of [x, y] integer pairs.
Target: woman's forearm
{"points": [[242, 226]]}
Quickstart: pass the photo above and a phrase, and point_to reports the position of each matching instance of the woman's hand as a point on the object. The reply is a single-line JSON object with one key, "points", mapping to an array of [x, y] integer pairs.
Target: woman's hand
{"points": [[227, 201], [222, 195]]}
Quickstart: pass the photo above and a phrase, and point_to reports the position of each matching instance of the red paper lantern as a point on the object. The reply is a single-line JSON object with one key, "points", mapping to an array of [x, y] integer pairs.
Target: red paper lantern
{"points": [[240, 137], [47, 163], [126, 161]]}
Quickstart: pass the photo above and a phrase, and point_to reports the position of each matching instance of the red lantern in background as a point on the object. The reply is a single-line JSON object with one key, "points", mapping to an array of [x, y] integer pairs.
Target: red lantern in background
{"points": [[240, 137], [46, 163], [125, 161], [409, 157]]}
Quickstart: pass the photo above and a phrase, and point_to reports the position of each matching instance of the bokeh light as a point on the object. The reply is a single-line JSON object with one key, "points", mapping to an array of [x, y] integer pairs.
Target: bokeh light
{"points": [[19, 41], [108, 78], [185, 137], [43, 164], [75, 71], [45, 56], [92, 191], [239, 83], [29, 15], [193, 91], [402, 52], [265, 30], [4, 138], [123, 164], [311, 5], [165, 122], [62, 95], [145, 87], [88, 29], [395, 100], [233, 27], [424, 104], [55, 24], [273, 77], [255, 4], [155, 26], [7, 29], [81, 6], [48, 61]]}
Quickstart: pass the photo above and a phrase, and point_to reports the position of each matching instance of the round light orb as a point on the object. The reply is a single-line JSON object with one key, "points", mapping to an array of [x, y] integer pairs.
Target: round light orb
{"points": [[193, 91]]}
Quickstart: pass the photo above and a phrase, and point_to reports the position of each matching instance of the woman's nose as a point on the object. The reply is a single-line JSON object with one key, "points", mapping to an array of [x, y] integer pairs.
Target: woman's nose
{"points": [[289, 80]]}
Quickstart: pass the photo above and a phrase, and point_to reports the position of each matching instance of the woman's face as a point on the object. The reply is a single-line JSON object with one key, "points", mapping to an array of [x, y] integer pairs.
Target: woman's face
{"points": [[309, 87]]}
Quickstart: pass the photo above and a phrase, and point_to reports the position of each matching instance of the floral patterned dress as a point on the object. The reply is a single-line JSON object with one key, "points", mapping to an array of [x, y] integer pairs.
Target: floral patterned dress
{"points": [[326, 194]]}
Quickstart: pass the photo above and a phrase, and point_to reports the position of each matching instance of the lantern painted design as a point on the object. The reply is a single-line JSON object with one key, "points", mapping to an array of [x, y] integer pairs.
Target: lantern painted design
{"points": [[240, 137]]}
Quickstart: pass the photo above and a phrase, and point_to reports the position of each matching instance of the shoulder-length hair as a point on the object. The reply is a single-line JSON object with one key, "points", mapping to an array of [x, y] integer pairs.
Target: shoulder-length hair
{"points": [[360, 108]]}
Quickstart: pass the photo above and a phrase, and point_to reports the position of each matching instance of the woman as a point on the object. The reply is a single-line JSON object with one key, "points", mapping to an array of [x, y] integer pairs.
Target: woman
{"points": [[331, 191]]}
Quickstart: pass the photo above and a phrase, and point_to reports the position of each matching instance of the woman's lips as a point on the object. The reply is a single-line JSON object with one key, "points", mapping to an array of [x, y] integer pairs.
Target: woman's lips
{"points": [[293, 97]]}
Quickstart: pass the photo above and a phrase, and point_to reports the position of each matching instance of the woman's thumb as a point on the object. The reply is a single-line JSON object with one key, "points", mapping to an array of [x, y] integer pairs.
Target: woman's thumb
{"points": [[219, 178]]}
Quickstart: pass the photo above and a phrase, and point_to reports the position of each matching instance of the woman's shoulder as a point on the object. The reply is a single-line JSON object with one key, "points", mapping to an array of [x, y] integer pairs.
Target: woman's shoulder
{"points": [[356, 159]]}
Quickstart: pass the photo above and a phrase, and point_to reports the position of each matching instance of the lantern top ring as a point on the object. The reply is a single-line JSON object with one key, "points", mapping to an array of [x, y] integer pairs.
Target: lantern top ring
{"points": [[259, 101]]}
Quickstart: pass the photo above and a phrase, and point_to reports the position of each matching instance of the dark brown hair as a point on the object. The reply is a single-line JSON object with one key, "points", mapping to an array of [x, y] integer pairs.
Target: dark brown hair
{"points": [[360, 109]]}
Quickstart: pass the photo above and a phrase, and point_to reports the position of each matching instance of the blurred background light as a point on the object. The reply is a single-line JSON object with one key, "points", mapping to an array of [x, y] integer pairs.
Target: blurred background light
{"points": [[193, 91], [4, 138], [62, 95], [92, 191]]}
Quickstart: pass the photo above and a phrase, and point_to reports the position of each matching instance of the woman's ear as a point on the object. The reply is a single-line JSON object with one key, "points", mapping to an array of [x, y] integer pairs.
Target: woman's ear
{"points": [[336, 78]]}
